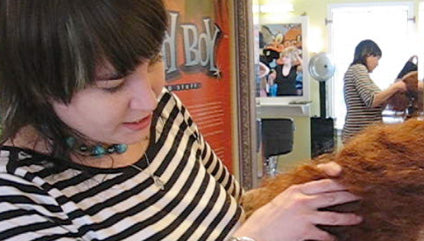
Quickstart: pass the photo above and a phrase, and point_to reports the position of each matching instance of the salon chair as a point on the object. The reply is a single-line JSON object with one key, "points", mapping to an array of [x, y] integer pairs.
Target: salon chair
{"points": [[277, 139]]}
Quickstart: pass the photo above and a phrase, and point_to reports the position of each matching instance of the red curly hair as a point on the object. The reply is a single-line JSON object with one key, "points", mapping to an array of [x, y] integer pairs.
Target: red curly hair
{"points": [[411, 100], [385, 166]]}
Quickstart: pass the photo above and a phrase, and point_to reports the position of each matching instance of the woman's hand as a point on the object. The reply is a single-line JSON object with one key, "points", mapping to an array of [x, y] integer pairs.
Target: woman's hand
{"points": [[399, 86], [293, 214], [271, 77], [382, 97]]}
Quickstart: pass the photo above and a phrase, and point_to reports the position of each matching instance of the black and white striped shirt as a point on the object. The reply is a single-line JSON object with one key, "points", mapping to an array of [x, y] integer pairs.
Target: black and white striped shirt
{"points": [[359, 92], [200, 200]]}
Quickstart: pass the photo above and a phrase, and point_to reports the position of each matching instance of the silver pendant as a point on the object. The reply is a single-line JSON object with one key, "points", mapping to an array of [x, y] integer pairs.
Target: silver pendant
{"points": [[158, 182]]}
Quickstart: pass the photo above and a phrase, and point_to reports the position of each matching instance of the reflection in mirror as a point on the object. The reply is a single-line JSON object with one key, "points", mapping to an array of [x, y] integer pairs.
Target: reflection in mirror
{"points": [[333, 27]]}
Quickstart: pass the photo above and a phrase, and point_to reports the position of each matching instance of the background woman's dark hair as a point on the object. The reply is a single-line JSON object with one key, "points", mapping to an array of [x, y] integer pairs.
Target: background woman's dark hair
{"points": [[364, 49], [50, 49]]}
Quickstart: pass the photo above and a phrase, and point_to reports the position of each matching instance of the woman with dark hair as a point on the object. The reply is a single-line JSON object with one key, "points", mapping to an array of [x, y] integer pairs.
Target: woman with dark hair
{"points": [[364, 99], [94, 148]]}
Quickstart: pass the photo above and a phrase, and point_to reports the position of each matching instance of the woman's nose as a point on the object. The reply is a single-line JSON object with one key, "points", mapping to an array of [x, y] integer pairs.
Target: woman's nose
{"points": [[142, 95]]}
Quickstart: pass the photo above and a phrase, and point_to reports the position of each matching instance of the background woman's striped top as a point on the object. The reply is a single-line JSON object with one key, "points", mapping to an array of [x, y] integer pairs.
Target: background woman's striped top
{"points": [[200, 200], [359, 92]]}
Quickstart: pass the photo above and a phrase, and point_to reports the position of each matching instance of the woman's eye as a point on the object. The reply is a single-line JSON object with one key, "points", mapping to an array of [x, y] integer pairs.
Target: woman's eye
{"points": [[110, 85]]}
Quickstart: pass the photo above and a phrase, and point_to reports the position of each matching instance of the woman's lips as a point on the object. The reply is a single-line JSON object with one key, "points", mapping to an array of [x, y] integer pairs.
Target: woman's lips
{"points": [[139, 125]]}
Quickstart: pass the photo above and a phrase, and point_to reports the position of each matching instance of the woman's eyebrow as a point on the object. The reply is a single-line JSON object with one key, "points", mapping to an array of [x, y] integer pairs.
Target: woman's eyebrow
{"points": [[109, 76]]}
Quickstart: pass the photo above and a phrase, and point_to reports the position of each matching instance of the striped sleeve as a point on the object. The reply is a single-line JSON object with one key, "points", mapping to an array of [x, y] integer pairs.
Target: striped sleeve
{"points": [[27, 212], [210, 160], [359, 93], [366, 88], [216, 168]]}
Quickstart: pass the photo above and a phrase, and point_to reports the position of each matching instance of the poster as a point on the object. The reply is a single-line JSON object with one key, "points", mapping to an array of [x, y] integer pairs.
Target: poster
{"points": [[196, 53]]}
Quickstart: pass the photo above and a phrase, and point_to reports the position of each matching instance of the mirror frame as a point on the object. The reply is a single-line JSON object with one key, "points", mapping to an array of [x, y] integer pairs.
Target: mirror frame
{"points": [[244, 64]]}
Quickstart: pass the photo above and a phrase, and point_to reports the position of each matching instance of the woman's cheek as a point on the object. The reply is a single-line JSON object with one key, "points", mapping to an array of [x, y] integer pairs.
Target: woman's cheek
{"points": [[157, 78]]}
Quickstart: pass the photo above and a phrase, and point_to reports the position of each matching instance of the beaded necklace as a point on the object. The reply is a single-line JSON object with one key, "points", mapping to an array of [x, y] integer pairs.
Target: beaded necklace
{"points": [[98, 150]]}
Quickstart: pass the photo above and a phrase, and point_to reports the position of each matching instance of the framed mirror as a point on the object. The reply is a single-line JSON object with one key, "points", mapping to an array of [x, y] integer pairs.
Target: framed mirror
{"points": [[283, 55]]}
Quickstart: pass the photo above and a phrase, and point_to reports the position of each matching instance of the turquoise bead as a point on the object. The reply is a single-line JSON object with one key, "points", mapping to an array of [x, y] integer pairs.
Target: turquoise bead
{"points": [[70, 141], [98, 151], [121, 148]]}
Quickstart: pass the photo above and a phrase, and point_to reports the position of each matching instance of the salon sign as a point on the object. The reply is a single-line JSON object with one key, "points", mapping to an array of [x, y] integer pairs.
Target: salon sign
{"points": [[198, 47], [197, 63]]}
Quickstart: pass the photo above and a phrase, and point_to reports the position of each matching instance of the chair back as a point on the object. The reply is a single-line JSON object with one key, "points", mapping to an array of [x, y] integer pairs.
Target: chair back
{"points": [[277, 136]]}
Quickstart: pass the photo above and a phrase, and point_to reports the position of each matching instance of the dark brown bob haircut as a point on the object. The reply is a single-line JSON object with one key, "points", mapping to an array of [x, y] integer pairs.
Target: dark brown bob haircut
{"points": [[364, 49], [49, 49]]}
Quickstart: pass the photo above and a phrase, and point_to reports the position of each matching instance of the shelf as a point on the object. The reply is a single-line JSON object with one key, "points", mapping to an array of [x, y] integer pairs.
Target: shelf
{"points": [[275, 110]]}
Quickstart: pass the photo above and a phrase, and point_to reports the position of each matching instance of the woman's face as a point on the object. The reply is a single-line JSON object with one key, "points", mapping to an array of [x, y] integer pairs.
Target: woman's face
{"points": [[285, 59], [372, 62], [116, 109]]}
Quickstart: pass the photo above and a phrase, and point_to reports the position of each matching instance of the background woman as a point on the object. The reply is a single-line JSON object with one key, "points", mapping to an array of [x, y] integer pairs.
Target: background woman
{"points": [[364, 99]]}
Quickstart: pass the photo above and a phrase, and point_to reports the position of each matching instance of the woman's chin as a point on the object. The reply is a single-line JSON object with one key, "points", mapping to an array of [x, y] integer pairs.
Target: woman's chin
{"points": [[142, 137]]}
